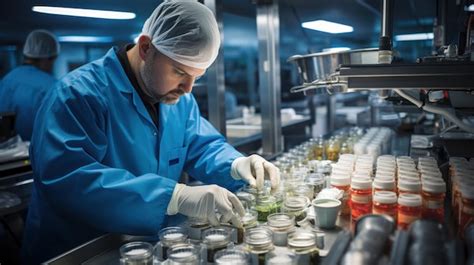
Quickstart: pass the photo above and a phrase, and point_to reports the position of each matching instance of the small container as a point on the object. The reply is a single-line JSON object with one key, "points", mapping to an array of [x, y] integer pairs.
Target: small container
{"points": [[433, 194], [136, 253], [231, 256], [385, 202], [343, 182], [305, 190], [249, 220], [361, 198], [248, 200], [409, 209], [281, 258], [258, 242], [317, 181], [183, 254], [266, 205], [296, 206], [466, 213], [281, 225], [195, 227], [406, 186], [215, 239], [384, 184], [168, 237], [303, 244]]}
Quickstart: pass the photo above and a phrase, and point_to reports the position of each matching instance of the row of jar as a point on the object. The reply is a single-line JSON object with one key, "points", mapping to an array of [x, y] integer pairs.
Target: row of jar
{"points": [[216, 247], [376, 141], [461, 172]]}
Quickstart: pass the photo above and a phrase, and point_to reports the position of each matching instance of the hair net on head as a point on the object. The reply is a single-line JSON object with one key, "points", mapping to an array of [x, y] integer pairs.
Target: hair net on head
{"points": [[41, 44], [185, 31]]}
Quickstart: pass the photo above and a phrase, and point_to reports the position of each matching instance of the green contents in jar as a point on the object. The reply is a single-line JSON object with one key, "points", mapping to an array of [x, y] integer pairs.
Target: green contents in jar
{"points": [[266, 205]]}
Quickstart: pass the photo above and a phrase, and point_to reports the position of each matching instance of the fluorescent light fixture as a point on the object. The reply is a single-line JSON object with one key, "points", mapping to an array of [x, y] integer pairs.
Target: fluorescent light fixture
{"points": [[336, 49], [83, 39], [327, 26], [82, 12], [470, 8], [415, 36]]}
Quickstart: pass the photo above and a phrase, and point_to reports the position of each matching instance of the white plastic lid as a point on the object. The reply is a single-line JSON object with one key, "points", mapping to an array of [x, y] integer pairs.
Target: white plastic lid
{"points": [[340, 180], [409, 185], [408, 174], [388, 197], [433, 173], [410, 200], [384, 183], [434, 186], [361, 183]]}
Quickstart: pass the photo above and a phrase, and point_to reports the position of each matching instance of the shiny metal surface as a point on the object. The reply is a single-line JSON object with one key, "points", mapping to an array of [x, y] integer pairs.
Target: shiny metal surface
{"points": [[215, 76], [269, 76], [318, 69]]}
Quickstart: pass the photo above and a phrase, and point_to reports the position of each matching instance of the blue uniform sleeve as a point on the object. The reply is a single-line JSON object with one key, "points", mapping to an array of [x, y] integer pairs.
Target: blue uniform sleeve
{"points": [[209, 155], [69, 143]]}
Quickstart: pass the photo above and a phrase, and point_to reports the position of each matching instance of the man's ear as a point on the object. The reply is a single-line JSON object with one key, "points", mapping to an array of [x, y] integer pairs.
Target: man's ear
{"points": [[144, 46]]}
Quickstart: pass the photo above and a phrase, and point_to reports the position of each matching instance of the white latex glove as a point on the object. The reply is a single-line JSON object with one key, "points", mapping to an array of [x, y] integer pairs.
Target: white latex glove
{"points": [[254, 169], [206, 202]]}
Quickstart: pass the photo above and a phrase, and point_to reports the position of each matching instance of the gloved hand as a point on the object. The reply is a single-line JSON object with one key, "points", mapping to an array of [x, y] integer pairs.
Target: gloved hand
{"points": [[253, 169], [206, 202]]}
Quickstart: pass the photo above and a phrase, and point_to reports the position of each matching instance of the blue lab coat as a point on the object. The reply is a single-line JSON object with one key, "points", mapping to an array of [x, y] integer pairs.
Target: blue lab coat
{"points": [[102, 166], [22, 91]]}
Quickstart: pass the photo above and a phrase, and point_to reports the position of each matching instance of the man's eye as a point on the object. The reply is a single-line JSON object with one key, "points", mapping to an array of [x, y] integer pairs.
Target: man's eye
{"points": [[178, 72]]}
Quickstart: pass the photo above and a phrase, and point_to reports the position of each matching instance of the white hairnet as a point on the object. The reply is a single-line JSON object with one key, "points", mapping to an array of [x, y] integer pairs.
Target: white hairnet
{"points": [[41, 44], [185, 31]]}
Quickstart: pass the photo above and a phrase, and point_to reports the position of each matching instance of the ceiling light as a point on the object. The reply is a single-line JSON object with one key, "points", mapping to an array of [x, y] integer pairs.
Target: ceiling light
{"points": [[415, 36], [336, 49], [81, 12], [327, 26], [470, 8], [89, 39]]}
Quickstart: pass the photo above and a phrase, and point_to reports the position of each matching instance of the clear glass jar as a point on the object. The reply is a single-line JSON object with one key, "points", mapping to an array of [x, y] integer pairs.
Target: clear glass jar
{"points": [[281, 258], [249, 220], [281, 224], [215, 239], [168, 237], [195, 227], [317, 181], [136, 253], [319, 151], [303, 243], [305, 190], [296, 206], [248, 200], [266, 205], [231, 256], [183, 254], [258, 242]]}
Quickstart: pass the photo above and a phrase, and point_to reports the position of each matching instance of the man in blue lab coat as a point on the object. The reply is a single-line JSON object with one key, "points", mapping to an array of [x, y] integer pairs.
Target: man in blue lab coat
{"points": [[111, 140], [23, 89]]}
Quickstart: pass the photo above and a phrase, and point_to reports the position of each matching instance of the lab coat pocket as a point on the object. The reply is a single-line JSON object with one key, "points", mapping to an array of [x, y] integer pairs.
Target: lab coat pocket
{"points": [[176, 160]]}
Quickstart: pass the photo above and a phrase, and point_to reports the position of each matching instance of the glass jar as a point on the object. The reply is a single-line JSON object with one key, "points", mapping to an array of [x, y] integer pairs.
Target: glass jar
{"points": [[232, 256], [319, 150], [433, 194], [361, 198], [305, 190], [281, 258], [183, 254], [385, 202], [258, 242], [168, 237], [248, 200], [343, 182], [332, 150], [215, 239], [249, 220], [409, 209], [195, 227], [303, 244], [281, 225], [136, 253], [317, 181], [266, 205], [296, 206]]}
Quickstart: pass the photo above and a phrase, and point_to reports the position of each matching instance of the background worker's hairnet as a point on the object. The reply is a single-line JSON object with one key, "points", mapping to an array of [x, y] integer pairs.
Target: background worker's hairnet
{"points": [[41, 44], [185, 31]]}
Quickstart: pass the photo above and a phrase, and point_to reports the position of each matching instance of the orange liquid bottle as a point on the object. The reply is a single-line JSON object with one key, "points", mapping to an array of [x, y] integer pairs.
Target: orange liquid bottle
{"points": [[361, 198], [409, 209], [433, 194], [385, 202]]}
